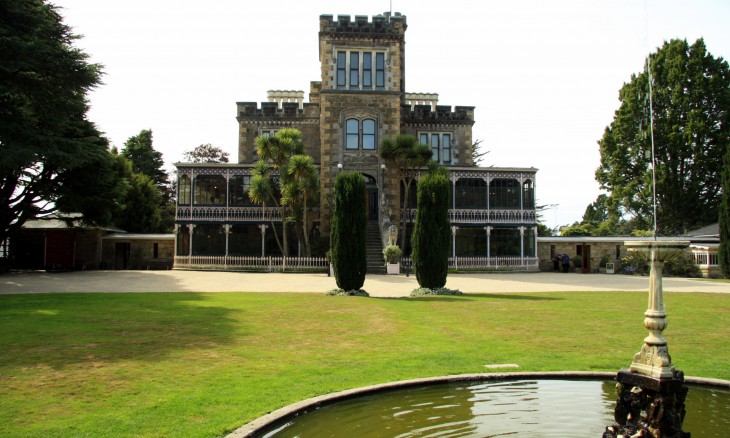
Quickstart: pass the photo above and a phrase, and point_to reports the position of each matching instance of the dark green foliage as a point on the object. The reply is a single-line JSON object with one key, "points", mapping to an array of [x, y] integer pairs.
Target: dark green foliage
{"points": [[432, 232], [46, 144], [724, 220], [145, 159], [691, 109], [139, 210], [348, 235], [682, 266], [149, 204]]}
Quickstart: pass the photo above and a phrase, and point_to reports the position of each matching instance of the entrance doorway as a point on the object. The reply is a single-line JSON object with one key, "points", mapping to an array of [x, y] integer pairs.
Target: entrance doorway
{"points": [[586, 258], [121, 255], [371, 197]]}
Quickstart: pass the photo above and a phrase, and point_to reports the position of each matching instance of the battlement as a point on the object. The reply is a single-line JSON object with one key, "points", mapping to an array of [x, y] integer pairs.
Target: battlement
{"points": [[414, 99], [383, 24], [417, 114], [276, 110]]}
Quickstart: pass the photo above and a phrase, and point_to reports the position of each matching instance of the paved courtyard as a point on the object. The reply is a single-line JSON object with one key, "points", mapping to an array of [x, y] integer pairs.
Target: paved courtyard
{"points": [[375, 285]]}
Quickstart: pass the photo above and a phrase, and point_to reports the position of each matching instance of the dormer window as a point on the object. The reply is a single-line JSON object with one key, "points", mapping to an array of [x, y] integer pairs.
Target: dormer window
{"points": [[355, 69]]}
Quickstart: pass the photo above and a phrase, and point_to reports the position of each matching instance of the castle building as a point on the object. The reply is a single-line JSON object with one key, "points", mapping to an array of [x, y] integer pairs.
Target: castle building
{"points": [[359, 100]]}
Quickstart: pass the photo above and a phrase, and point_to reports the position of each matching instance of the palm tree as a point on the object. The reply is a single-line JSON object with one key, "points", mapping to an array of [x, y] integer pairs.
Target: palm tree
{"points": [[262, 191], [304, 176], [408, 155], [274, 153]]}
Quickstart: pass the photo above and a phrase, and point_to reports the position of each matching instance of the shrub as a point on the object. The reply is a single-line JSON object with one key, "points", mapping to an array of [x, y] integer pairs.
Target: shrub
{"points": [[634, 263], [349, 228], [437, 291], [603, 262], [682, 266], [432, 233], [392, 253]]}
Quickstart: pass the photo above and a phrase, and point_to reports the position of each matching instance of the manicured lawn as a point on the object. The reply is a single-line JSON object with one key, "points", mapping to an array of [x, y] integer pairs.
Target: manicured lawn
{"points": [[189, 364]]}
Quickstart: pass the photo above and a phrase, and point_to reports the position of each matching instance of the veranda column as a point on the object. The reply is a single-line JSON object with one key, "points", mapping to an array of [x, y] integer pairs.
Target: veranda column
{"points": [[174, 250], [263, 239], [522, 245], [534, 242], [226, 231], [191, 227], [489, 244]]}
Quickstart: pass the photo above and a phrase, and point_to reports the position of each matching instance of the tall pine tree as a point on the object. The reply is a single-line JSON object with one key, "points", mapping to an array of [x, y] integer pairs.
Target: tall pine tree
{"points": [[691, 112]]}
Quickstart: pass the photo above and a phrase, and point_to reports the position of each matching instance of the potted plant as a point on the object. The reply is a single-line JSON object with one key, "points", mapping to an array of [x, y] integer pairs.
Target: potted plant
{"points": [[328, 257], [392, 255]]}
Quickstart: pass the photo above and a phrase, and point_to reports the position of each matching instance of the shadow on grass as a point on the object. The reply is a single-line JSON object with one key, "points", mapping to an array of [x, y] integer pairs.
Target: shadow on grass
{"points": [[471, 296], [57, 330]]}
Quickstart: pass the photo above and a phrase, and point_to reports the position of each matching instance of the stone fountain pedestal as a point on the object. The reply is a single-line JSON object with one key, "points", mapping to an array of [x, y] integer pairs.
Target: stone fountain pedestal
{"points": [[651, 392]]}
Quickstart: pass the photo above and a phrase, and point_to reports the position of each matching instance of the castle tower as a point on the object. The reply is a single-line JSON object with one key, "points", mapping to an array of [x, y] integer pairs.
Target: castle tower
{"points": [[362, 88]]}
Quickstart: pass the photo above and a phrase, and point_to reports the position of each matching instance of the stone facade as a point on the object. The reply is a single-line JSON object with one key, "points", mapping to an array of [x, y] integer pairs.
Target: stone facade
{"points": [[359, 100]]}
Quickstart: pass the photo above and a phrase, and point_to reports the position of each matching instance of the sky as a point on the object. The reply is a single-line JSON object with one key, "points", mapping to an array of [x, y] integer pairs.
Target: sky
{"points": [[543, 75]]}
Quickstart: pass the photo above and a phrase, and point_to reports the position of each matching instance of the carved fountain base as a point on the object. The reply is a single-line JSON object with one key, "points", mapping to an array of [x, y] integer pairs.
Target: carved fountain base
{"points": [[648, 407]]}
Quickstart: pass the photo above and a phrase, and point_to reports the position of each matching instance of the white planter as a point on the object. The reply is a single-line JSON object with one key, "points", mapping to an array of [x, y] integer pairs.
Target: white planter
{"points": [[392, 268], [332, 271]]}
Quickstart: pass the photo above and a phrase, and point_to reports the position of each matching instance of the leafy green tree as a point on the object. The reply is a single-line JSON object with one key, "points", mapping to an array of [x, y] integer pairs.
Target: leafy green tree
{"points": [[139, 149], [691, 103], [349, 231], [140, 208], [46, 143], [432, 232], [206, 153], [408, 156], [724, 220], [145, 159]]}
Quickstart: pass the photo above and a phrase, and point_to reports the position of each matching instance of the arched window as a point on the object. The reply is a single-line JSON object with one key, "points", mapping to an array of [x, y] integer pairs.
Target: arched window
{"points": [[360, 134], [368, 134], [528, 195], [183, 190], [352, 137]]}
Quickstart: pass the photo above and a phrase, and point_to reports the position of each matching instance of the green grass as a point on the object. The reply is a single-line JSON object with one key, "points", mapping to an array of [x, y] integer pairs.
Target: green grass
{"points": [[187, 364]]}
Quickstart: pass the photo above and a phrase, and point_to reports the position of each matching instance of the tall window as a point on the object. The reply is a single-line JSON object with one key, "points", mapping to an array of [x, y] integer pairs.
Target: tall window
{"points": [[471, 193], [528, 195], [355, 69], [360, 134], [238, 187], [504, 193], [440, 143], [183, 190], [210, 190]]}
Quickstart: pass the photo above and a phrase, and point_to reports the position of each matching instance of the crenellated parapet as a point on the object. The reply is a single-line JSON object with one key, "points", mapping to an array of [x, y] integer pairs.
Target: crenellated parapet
{"points": [[381, 25], [425, 114], [277, 110]]}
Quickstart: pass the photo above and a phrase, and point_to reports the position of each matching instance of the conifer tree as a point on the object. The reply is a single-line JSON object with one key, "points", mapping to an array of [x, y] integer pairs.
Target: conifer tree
{"points": [[432, 232], [724, 252], [349, 230]]}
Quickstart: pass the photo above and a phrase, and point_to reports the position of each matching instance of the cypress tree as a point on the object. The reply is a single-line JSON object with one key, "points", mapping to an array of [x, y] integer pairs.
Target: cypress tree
{"points": [[349, 228], [724, 251], [432, 232]]}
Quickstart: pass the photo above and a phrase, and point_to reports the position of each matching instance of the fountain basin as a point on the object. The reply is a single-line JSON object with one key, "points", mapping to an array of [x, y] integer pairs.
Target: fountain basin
{"points": [[525, 404]]}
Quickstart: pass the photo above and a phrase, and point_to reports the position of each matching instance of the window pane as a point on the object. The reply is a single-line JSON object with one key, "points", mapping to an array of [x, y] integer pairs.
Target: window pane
{"points": [[351, 135], [367, 69], [380, 69], [423, 139], [435, 148], [354, 69], [447, 148], [368, 134], [341, 77]]}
